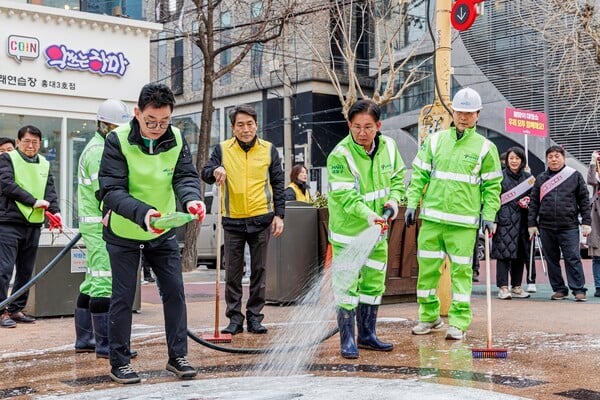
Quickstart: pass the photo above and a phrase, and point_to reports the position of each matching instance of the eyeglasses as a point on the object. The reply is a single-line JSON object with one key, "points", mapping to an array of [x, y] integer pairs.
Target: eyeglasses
{"points": [[154, 124], [367, 129], [28, 142]]}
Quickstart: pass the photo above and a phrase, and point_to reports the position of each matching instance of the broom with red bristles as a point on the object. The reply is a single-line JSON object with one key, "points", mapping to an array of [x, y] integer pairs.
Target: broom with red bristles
{"points": [[218, 337], [489, 351]]}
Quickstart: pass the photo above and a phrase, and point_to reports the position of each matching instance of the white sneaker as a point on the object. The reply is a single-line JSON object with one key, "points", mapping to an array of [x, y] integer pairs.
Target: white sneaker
{"points": [[453, 333], [531, 288], [425, 327], [245, 280], [519, 293], [504, 293]]}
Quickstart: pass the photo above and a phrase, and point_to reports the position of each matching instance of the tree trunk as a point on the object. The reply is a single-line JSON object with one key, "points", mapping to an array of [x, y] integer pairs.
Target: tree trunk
{"points": [[190, 253]]}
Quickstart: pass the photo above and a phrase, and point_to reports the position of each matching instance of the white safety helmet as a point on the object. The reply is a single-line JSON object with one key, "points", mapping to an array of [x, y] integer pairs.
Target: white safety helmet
{"points": [[466, 100], [113, 112]]}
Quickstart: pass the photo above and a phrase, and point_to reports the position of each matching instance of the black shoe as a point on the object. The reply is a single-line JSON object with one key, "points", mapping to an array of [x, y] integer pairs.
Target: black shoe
{"points": [[256, 327], [233, 328], [21, 317], [597, 293], [181, 367], [6, 321], [124, 374], [150, 279]]}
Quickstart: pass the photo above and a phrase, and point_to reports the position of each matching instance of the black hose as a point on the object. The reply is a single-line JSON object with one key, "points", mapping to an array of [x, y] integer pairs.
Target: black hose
{"points": [[235, 350], [14, 296]]}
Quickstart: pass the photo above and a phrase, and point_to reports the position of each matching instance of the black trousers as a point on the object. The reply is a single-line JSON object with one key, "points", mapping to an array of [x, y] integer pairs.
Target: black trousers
{"points": [[163, 256], [567, 242], [234, 264], [514, 267], [18, 248]]}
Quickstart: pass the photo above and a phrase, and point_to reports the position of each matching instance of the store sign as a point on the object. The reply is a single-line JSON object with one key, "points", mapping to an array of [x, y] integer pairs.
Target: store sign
{"points": [[96, 61], [525, 122], [20, 47]]}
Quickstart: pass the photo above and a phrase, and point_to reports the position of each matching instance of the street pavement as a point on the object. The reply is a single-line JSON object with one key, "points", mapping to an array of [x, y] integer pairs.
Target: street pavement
{"points": [[553, 353]]}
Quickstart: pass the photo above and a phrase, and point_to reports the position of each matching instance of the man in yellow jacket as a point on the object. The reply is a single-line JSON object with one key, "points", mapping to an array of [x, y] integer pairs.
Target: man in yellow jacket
{"points": [[455, 172]]}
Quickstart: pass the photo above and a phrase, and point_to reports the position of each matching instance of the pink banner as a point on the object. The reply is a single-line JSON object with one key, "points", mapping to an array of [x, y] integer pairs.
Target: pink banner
{"points": [[525, 122]]}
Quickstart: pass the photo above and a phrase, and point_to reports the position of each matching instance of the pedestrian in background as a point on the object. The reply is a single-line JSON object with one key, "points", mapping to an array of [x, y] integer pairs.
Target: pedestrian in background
{"points": [[559, 197], [146, 168], [366, 175], [510, 244], [6, 144], [458, 175], [593, 240], [26, 191], [93, 302], [298, 188], [248, 169]]}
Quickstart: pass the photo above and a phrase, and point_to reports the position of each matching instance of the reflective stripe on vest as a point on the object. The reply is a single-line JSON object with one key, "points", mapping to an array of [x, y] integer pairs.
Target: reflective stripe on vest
{"points": [[443, 216], [33, 178], [150, 178]]}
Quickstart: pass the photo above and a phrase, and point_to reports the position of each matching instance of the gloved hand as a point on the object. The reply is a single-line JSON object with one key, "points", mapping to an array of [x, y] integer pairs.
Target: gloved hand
{"points": [[595, 155], [375, 219], [489, 227], [196, 207], [55, 221], [524, 202], [152, 213], [533, 230], [393, 204], [41, 204], [409, 217], [586, 230]]}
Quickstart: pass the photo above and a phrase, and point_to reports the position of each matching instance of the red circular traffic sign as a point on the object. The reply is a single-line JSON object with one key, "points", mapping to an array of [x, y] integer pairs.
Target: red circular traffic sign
{"points": [[463, 14]]}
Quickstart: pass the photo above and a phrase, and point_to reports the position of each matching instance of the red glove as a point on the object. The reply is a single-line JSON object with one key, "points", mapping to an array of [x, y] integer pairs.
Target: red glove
{"points": [[55, 221], [152, 213], [196, 207], [383, 223]]}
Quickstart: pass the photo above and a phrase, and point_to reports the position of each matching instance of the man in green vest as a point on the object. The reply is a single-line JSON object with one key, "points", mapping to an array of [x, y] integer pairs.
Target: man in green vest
{"points": [[145, 169], [458, 176], [26, 191], [249, 171], [91, 313]]}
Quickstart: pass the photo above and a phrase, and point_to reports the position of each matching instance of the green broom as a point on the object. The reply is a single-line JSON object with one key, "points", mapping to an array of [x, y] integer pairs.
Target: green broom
{"points": [[489, 351]]}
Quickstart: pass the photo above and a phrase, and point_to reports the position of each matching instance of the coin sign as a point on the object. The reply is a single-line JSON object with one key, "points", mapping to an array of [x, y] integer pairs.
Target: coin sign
{"points": [[463, 14]]}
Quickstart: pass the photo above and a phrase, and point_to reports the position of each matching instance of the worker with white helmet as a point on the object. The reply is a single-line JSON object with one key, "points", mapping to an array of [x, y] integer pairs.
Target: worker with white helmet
{"points": [[91, 312], [457, 175]]}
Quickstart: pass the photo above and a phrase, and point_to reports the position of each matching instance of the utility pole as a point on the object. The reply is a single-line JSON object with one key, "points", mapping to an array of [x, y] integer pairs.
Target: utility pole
{"points": [[435, 117], [288, 152]]}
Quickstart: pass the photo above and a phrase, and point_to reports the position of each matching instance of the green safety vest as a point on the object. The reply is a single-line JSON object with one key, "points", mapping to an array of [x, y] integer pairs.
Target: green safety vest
{"points": [[359, 186], [458, 176], [87, 177], [33, 178], [150, 178]]}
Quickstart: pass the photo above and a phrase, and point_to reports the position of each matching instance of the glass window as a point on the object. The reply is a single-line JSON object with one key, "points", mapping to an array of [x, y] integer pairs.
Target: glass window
{"points": [[161, 58], [226, 22], [197, 74], [189, 125]]}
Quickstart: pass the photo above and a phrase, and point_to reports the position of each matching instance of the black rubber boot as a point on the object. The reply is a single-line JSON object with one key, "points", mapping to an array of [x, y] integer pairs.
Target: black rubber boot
{"points": [[345, 320], [366, 321], [100, 321], [84, 332]]}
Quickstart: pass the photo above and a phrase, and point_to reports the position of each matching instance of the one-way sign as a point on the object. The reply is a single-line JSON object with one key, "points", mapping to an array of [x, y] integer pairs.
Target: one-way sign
{"points": [[463, 14]]}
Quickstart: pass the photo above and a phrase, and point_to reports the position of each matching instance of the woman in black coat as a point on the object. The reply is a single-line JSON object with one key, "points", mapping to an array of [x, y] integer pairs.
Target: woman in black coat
{"points": [[510, 241]]}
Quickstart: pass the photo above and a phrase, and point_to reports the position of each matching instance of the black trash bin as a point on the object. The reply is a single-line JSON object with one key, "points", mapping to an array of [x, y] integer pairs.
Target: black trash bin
{"points": [[292, 259]]}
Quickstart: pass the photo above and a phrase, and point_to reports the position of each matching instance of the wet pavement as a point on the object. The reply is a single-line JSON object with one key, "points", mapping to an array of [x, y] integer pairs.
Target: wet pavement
{"points": [[553, 353]]}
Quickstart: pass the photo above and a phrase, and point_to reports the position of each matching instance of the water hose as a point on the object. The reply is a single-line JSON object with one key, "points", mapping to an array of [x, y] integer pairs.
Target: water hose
{"points": [[14, 296], [241, 350]]}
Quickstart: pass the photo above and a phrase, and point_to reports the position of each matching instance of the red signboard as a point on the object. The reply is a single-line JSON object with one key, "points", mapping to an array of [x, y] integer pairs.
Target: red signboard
{"points": [[463, 14], [525, 122]]}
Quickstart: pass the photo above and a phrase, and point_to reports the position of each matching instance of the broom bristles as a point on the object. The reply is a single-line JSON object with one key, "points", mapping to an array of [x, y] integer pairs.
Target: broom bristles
{"points": [[490, 353], [217, 338]]}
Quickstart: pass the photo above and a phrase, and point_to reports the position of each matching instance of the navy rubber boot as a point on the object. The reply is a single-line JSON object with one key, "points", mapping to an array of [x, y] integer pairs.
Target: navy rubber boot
{"points": [[366, 321], [100, 321], [84, 332], [345, 320]]}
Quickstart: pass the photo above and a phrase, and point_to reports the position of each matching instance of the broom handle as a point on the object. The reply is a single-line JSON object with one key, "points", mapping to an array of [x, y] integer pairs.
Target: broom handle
{"points": [[488, 287], [218, 260]]}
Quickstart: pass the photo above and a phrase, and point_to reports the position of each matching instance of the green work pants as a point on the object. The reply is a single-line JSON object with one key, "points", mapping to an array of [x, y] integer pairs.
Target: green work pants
{"points": [[98, 278]]}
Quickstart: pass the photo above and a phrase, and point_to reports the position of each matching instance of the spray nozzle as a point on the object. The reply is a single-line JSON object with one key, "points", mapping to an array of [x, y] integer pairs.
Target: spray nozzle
{"points": [[388, 212]]}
